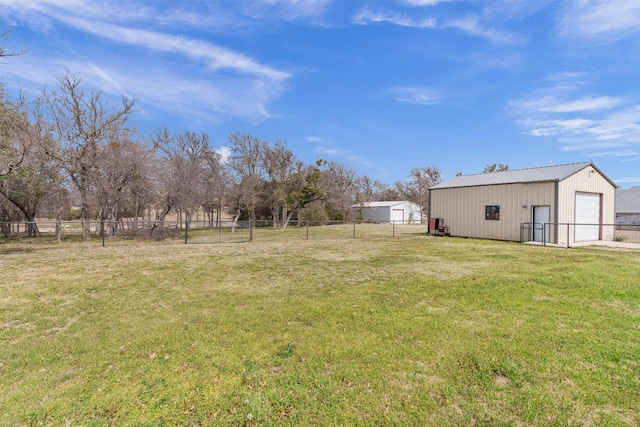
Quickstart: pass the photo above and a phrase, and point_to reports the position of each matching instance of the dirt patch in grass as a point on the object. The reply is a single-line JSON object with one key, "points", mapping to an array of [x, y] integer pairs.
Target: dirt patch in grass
{"points": [[500, 380]]}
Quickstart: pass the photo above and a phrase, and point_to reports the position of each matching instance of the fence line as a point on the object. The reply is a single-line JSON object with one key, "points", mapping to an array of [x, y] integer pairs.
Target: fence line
{"points": [[205, 231], [573, 234]]}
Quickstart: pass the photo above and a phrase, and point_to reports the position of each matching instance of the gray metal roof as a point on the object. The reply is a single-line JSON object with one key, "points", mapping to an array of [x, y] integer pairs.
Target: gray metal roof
{"points": [[539, 174], [628, 201]]}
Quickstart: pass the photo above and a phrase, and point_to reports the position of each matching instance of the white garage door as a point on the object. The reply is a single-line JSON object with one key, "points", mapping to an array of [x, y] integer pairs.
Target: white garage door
{"points": [[588, 215], [398, 216]]}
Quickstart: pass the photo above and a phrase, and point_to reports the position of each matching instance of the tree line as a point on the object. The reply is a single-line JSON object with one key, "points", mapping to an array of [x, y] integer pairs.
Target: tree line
{"points": [[71, 153]]}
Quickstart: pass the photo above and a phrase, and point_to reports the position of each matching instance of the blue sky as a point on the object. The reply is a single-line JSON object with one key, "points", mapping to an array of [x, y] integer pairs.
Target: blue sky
{"points": [[381, 86]]}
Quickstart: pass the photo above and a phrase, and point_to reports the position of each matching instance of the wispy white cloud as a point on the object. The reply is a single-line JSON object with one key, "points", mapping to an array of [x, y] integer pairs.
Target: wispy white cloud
{"points": [[368, 16], [423, 2], [415, 95], [41, 15], [313, 139], [217, 57], [597, 125], [347, 155], [473, 26], [621, 153], [589, 124], [628, 180], [567, 81], [510, 10], [225, 153], [551, 104], [211, 99], [230, 84], [539, 127], [291, 9], [470, 24], [607, 20]]}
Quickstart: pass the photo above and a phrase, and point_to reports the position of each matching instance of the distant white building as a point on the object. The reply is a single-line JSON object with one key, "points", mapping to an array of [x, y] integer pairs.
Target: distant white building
{"points": [[390, 212]]}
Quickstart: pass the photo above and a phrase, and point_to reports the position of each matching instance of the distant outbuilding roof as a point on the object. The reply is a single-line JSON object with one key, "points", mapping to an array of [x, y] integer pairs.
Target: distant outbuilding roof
{"points": [[628, 201], [382, 204], [539, 174]]}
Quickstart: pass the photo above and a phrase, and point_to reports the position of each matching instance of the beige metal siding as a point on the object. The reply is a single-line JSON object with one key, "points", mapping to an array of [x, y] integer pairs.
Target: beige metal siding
{"points": [[463, 209], [588, 180]]}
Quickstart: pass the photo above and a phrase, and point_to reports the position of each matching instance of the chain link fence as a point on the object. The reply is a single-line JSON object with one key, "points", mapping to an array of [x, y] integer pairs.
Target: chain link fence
{"points": [[575, 234], [210, 232], [95, 230], [204, 232]]}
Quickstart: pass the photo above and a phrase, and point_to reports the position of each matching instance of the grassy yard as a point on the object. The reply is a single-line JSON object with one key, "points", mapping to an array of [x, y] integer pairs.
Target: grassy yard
{"points": [[406, 331]]}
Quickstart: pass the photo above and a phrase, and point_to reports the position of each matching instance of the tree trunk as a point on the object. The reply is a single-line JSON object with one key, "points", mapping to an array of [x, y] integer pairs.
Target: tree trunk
{"points": [[286, 222], [157, 230], [58, 228], [235, 222], [84, 216]]}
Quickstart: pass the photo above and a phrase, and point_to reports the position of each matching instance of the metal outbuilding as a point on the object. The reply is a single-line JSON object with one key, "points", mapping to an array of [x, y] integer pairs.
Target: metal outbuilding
{"points": [[561, 204], [628, 206], [389, 212]]}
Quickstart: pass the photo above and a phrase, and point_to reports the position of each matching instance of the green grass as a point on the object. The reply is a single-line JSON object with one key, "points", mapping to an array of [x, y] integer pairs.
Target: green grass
{"points": [[408, 331]]}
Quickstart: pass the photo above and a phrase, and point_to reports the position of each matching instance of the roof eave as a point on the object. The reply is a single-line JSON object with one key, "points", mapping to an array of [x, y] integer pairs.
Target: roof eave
{"points": [[497, 183]]}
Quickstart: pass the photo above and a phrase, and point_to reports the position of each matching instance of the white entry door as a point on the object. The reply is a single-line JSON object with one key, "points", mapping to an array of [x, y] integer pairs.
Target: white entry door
{"points": [[587, 217], [540, 223]]}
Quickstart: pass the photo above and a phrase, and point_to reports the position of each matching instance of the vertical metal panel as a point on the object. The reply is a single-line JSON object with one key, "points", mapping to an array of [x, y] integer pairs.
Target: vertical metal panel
{"points": [[463, 209]]}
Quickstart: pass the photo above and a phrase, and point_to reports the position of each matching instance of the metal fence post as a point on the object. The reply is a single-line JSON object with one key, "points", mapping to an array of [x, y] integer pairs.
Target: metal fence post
{"points": [[251, 230], [307, 229], [354, 229], [393, 227], [186, 231]]}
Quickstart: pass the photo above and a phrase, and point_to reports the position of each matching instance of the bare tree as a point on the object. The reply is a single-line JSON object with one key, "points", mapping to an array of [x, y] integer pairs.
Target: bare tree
{"points": [[189, 157], [279, 164], [9, 215], [491, 168], [14, 146], [190, 175], [416, 190], [169, 174], [122, 164], [4, 52], [247, 163], [341, 185], [370, 191], [33, 178], [139, 194], [375, 191], [82, 122], [216, 181]]}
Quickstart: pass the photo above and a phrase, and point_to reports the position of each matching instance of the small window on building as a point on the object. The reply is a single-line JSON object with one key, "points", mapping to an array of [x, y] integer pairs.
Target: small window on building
{"points": [[492, 213]]}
